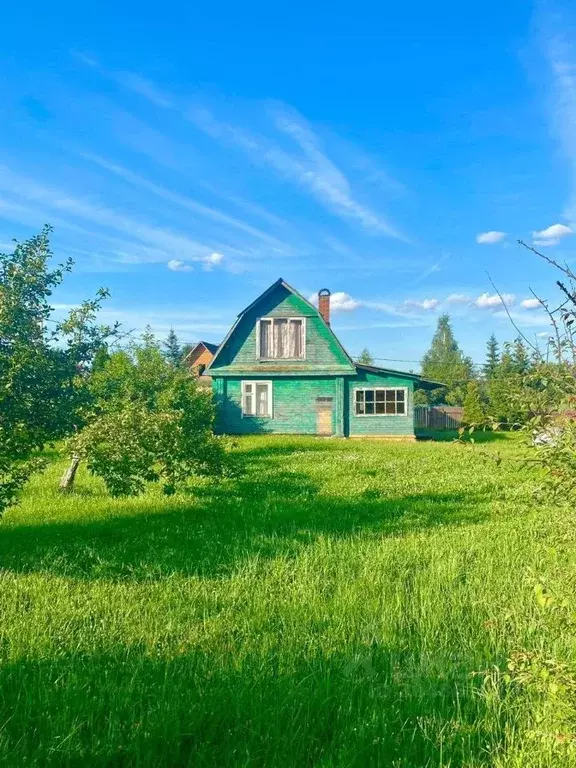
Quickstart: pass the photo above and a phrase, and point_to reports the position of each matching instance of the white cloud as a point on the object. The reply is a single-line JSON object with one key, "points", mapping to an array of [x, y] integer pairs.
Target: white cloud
{"points": [[529, 303], [491, 237], [176, 265], [551, 235], [492, 301], [339, 302], [426, 304], [458, 298], [214, 260]]}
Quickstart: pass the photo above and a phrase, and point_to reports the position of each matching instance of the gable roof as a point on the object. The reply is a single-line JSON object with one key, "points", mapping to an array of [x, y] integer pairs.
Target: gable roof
{"points": [[278, 283], [206, 344], [422, 383]]}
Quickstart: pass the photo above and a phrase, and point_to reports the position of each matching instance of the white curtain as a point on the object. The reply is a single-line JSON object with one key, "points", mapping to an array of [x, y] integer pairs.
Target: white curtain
{"points": [[261, 400], [265, 339], [295, 338], [281, 338]]}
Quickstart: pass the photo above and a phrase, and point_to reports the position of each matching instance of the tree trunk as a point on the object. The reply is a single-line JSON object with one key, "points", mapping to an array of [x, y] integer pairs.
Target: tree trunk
{"points": [[67, 479]]}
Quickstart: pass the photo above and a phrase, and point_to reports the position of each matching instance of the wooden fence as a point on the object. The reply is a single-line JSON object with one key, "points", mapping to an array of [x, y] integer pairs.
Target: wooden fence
{"points": [[437, 416]]}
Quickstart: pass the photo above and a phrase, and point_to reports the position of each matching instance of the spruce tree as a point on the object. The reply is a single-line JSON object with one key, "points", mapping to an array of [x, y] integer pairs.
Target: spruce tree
{"points": [[520, 356], [173, 351], [446, 363], [365, 357], [492, 357]]}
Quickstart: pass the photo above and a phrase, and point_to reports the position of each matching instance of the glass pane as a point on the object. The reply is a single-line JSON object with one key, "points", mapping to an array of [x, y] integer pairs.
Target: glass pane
{"points": [[265, 338], [248, 389], [359, 408], [262, 400], [359, 396], [390, 395], [380, 395], [369, 395], [400, 408], [390, 407], [380, 407], [400, 395], [295, 338], [369, 408], [248, 408]]}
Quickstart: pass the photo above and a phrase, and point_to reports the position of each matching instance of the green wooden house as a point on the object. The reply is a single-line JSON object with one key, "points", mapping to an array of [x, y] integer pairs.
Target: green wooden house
{"points": [[282, 370]]}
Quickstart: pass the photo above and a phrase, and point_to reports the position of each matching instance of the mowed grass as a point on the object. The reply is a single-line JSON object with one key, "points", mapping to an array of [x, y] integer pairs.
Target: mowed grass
{"points": [[343, 603]]}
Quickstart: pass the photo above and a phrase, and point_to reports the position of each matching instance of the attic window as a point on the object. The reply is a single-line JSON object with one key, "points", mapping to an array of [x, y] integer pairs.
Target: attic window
{"points": [[282, 338], [380, 402]]}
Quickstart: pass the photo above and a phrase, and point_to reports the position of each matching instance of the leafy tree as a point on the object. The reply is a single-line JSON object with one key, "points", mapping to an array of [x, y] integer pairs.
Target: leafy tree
{"points": [[492, 357], [474, 412], [43, 364], [445, 362], [173, 350], [365, 357], [150, 423]]}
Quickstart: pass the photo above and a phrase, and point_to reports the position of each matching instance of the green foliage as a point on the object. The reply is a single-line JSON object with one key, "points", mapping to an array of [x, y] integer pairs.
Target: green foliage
{"points": [[42, 364], [150, 423], [365, 357], [446, 363], [474, 410]]}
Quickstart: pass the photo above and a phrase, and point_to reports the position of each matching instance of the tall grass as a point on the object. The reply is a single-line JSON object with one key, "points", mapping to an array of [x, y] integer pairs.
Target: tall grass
{"points": [[341, 604]]}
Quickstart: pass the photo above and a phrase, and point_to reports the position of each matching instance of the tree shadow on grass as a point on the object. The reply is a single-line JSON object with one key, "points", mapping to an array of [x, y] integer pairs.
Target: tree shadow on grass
{"points": [[371, 706], [268, 511], [449, 435]]}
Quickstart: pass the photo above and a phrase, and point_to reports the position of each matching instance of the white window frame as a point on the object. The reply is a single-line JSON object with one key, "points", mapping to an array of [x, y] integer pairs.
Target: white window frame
{"points": [[271, 320], [381, 389], [253, 383]]}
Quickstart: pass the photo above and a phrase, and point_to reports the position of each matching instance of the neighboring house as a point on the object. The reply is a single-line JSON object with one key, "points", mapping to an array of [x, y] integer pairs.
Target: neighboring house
{"points": [[281, 369], [199, 357]]}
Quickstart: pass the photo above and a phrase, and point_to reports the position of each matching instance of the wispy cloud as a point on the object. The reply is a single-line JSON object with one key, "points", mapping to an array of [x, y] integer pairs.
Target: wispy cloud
{"points": [[458, 298], [490, 238], [426, 304], [168, 242], [185, 202], [562, 58], [310, 168]]}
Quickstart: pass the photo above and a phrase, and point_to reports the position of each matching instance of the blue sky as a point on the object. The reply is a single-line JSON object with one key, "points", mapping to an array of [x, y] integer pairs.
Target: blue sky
{"points": [[188, 155]]}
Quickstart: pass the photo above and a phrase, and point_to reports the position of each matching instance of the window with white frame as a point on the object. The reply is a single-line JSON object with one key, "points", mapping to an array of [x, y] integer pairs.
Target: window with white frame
{"points": [[281, 338], [380, 402], [257, 398]]}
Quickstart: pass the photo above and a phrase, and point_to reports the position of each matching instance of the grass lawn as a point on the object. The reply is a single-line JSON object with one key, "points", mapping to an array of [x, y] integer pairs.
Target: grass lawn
{"points": [[344, 603]]}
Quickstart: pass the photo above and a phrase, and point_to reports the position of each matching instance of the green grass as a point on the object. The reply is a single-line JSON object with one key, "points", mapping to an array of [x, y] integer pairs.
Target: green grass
{"points": [[342, 604]]}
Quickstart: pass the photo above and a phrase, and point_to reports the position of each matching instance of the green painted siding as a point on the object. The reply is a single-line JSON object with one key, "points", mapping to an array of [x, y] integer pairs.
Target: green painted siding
{"points": [[294, 405], [323, 353], [379, 425]]}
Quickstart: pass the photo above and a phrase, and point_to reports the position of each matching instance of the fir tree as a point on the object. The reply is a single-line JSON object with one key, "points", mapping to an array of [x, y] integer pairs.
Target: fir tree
{"points": [[492, 357], [365, 357], [520, 356], [446, 363], [173, 351]]}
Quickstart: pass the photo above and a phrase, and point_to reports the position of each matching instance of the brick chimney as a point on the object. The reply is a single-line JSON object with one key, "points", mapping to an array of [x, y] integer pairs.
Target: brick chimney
{"points": [[324, 304]]}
